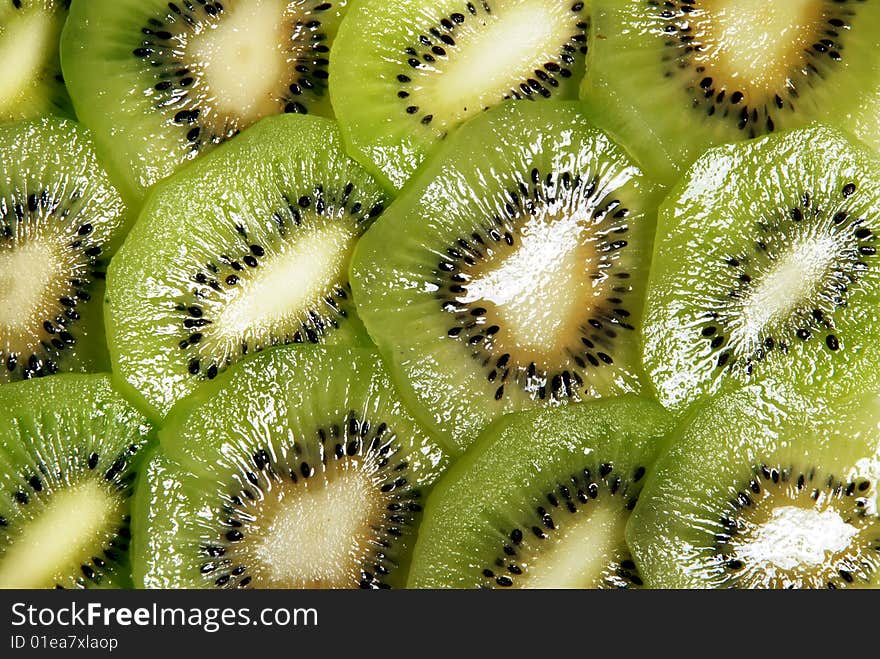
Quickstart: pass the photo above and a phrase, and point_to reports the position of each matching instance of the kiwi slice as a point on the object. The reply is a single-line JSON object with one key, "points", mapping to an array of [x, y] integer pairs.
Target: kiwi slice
{"points": [[31, 84], [765, 489], [68, 459], [160, 82], [765, 264], [406, 74], [541, 500], [299, 468], [246, 249], [521, 253], [60, 221], [670, 79]]}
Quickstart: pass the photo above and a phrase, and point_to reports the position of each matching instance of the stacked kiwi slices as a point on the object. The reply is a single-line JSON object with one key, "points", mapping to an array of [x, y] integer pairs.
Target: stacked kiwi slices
{"points": [[440, 294]]}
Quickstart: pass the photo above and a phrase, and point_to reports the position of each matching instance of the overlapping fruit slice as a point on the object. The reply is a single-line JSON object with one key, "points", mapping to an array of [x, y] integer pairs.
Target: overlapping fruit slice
{"points": [[765, 489], [542, 500], [247, 249], [69, 456], [517, 270], [299, 468], [766, 264], [670, 79]]}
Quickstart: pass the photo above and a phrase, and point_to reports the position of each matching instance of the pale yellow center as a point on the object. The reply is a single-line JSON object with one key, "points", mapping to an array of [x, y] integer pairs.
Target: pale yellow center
{"points": [[73, 524], [243, 58], [541, 290], [314, 534], [26, 277], [581, 551], [24, 45], [755, 43], [522, 36]]}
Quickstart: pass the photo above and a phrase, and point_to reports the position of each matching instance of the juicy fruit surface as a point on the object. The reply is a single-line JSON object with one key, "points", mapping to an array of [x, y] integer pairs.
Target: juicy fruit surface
{"points": [[30, 78], [405, 75], [177, 78], [247, 249], [60, 221], [541, 500], [765, 266], [523, 203], [298, 468], [68, 460], [763, 488], [715, 71]]}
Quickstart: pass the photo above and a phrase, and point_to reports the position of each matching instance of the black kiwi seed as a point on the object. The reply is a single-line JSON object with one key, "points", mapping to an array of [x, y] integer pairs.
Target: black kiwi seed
{"points": [[198, 310], [573, 497], [473, 325], [368, 446], [162, 47], [30, 354], [811, 320], [715, 95], [770, 485], [438, 43]]}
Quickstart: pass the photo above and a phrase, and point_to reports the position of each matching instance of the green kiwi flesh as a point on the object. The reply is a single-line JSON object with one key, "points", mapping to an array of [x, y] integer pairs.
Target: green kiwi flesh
{"points": [[541, 500], [670, 79], [30, 78], [298, 468], [60, 221], [406, 74], [246, 249], [517, 274], [161, 82], [763, 488], [765, 265], [69, 449]]}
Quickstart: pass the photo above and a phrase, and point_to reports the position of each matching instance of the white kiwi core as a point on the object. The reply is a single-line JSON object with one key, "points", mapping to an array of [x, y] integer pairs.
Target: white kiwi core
{"points": [[314, 534]]}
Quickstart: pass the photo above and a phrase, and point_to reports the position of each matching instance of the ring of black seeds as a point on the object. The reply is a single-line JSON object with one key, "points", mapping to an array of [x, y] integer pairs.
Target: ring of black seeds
{"points": [[36, 356], [232, 268], [178, 89], [438, 43], [807, 324], [725, 102], [769, 481], [117, 473], [354, 437], [601, 325], [571, 498]]}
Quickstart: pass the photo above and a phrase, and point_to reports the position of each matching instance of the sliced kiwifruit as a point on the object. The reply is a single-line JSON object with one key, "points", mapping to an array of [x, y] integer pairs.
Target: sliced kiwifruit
{"points": [[31, 84], [68, 461], [298, 468], [521, 252], [405, 74], [541, 500], [160, 82], [60, 221], [765, 489], [765, 264], [246, 249], [670, 79]]}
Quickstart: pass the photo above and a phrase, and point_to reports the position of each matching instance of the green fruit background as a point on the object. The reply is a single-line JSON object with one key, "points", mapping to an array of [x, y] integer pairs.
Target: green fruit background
{"points": [[439, 294]]}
